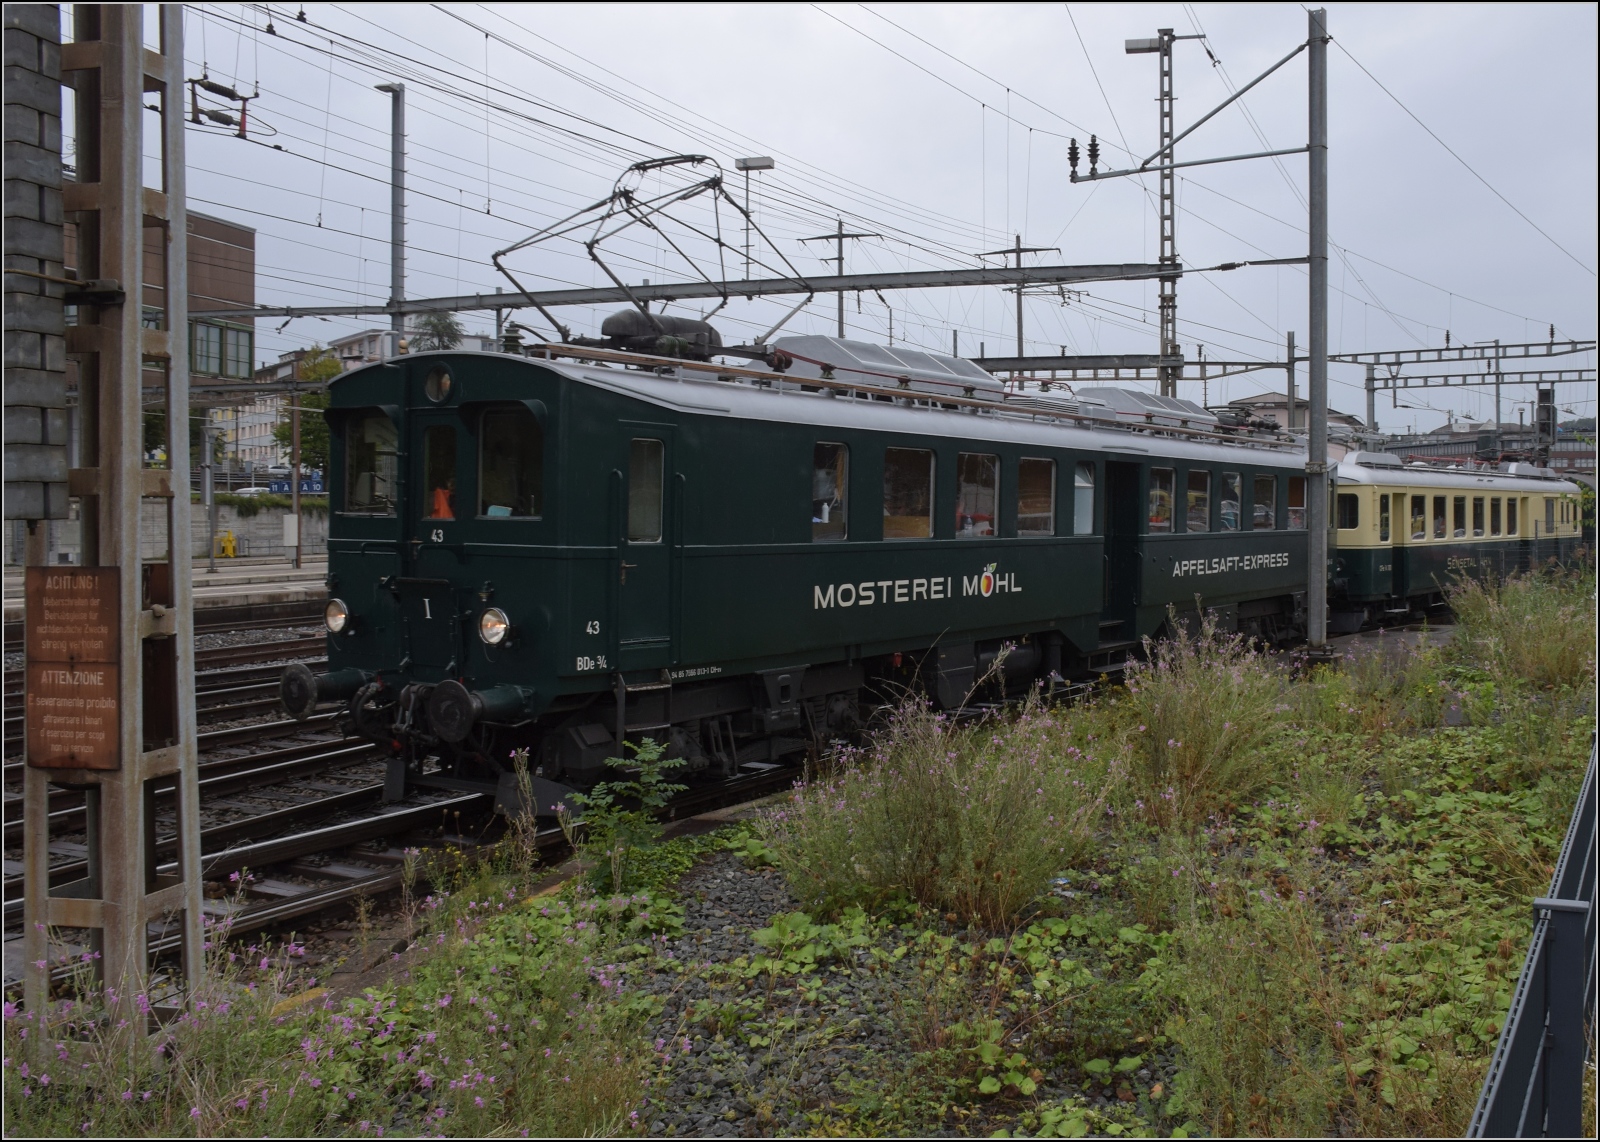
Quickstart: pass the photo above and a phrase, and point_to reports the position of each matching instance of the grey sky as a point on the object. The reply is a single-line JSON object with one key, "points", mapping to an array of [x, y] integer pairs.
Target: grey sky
{"points": [[931, 160]]}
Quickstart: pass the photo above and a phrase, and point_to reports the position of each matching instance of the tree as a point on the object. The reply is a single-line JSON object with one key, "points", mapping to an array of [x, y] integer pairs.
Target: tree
{"points": [[315, 370], [437, 330]]}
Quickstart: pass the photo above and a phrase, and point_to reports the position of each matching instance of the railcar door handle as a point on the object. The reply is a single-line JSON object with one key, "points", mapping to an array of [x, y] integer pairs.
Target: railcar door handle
{"points": [[625, 567]]}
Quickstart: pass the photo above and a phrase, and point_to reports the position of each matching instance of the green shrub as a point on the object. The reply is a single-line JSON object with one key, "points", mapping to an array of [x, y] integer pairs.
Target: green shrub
{"points": [[1539, 628], [1207, 708], [973, 821]]}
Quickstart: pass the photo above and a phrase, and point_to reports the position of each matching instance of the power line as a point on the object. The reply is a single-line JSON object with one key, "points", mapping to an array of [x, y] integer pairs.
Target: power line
{"points": [[1461, 160]]}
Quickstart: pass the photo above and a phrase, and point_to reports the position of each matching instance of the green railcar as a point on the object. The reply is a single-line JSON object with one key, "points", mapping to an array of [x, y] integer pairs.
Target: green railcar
{"points": [[565, 554], [1405, 532]]}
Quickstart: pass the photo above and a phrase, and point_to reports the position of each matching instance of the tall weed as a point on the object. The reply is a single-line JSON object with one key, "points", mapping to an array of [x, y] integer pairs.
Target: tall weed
{"points": [[973, 821], [1535, 628], [1207, 709]]}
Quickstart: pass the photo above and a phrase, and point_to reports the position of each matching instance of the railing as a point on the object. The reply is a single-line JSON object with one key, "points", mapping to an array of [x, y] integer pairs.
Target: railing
{"points": [[1535, 1083]]}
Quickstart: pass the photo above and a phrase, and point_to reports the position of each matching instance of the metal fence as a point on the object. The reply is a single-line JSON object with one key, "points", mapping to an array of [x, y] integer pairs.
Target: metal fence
{"points": [[1535, 1084]]}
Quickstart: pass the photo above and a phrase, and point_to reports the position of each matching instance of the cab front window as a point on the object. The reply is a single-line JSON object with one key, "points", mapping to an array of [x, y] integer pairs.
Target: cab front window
{"points": [[371, 457]]}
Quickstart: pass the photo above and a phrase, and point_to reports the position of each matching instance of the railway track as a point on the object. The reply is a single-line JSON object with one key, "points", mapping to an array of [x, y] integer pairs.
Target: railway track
{"points": [[224, 690]]}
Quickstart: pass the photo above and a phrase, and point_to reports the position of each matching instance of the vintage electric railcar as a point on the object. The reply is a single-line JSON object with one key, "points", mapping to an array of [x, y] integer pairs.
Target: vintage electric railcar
{"points": [[558, 554], [1405, 531]]}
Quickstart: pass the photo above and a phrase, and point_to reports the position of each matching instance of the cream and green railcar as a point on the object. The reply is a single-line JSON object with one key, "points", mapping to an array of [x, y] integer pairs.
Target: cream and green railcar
{"points": [[1404, 531]]}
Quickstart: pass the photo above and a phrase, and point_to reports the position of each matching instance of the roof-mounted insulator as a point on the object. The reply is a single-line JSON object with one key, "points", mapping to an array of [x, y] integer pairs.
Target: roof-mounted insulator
{"points": [[1072, 156], [1094, 153]]}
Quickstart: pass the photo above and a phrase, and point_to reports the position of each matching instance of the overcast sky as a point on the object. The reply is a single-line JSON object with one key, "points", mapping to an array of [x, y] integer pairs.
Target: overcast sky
{"points": [[899, 120]]}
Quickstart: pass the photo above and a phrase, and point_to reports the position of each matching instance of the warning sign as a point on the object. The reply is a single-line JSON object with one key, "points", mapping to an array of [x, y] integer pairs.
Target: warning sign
{"points": [[72, 675]]}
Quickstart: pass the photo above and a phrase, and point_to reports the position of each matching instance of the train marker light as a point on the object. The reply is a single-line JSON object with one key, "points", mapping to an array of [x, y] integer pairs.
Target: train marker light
{"points": [[493, 626], [336, 615]]}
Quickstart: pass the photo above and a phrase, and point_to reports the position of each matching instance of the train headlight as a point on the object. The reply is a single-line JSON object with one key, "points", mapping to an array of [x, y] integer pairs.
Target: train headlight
{"points": [[336, 615], [493, 626]]}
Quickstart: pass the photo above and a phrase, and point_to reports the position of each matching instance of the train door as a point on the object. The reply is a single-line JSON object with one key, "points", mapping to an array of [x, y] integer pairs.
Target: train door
{"points": [[644, 546], [434, 502], [1123, 505]]}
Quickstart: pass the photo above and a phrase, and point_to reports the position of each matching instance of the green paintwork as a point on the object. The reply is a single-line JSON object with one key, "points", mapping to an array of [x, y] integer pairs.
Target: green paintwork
{"points": [[736, 584]]}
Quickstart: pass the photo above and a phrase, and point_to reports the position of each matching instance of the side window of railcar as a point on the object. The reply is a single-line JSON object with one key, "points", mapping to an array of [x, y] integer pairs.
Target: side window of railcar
{"points": [[1459, 509], [510, 464], [1477, 516], [1549, 514], [1494, 516], [1297, 503], [1036, 497], [1439, 521], [907, 493], [644, 490], [1230, 501], [371, 458], [1199, 501], [1160, 513], [830, 493], [1383, 519], [1511, 516], [1348, 507], [977, 495], [1083, 499], [1419, 517], [439, 454], [1266, 509]]}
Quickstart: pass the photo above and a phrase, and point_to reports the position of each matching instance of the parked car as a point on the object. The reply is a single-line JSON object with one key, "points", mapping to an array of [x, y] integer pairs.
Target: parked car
{"points": [[278, 471], [256, 491]]}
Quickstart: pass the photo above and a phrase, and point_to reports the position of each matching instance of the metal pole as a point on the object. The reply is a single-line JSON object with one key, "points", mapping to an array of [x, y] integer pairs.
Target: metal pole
{"points": [[208, 491], [1498, 447], [1317, 460], [1020, 351], [1169, 238], [1372, 396], [397, 200], [841, 274], [294, 471], [1289, 373]]}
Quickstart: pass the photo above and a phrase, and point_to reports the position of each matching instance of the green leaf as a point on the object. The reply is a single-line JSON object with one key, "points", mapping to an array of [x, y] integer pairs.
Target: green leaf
{"points": [[989, 1085], [1098, 1066]]}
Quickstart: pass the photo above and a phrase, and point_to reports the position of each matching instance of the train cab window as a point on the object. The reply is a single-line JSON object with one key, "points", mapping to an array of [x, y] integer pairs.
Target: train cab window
{"points": [[439, 457], [644, 490], [1511, 516], [1083, 499], [1459, 509], [1230, 501], [1036, 497], [1494, 516], [1160, 512], [510, 464], [1266, 509], [1199, 501], [1439, 521], [1477, 516], [1297, 503], [1549, 514], [830, 493], [907, 493], [1419, 517], [1348, 507], [977, 495], [371, 460], [1383, 519]]}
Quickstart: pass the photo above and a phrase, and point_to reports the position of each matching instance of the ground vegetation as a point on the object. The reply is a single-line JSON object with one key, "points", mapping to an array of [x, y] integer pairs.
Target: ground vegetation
{"points": [[1239, 895]]}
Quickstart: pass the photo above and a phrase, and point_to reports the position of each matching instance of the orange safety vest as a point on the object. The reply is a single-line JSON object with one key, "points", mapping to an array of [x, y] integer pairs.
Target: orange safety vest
{"points": [[441, 504]]}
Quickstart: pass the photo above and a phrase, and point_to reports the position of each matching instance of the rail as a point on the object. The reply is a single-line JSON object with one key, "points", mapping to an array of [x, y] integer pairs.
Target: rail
{"points": [[1535, 1084]]}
